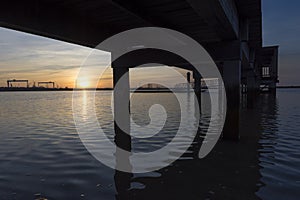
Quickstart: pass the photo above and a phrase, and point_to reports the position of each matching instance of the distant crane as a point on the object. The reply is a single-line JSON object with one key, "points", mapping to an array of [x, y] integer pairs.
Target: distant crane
{"points": [[17, 81], [47, 83]]}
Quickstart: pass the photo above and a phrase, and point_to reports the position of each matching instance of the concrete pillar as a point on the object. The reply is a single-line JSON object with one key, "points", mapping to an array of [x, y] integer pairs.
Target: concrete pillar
{"points": [[232, 81], [272, 87], [121, 108], [122, 184], [197, 87], [251, 89], [188, 78], [221, 96]]}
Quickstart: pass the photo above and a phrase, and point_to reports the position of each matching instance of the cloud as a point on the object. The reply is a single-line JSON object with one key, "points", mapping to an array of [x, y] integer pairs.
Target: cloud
{"points": [[40, 69], [35, 57]]}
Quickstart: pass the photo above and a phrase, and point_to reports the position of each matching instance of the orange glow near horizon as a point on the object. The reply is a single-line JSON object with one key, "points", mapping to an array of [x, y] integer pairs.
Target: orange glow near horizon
{"points": [[38, 59], [84, 84]]}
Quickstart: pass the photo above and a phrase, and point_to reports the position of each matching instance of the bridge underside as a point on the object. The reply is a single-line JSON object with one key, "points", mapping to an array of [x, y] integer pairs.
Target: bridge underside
{"points": [[230, 30]]}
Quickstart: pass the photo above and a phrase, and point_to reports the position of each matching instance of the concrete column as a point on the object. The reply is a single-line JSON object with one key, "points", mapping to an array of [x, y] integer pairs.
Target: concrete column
{"points": [[188, 79], [272, 87], [122, 184], [251, 89], [221, 96], [197, 87], [121, 108], [232, 81]]}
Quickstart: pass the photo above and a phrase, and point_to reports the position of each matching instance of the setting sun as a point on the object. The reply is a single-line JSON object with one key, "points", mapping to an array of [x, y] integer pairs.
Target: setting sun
{"points": [[83, 84]]}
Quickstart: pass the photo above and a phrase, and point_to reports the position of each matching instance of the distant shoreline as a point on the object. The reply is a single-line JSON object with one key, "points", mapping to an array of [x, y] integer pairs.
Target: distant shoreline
{"points": [[143, 90], [5, 89], [288, 87]]}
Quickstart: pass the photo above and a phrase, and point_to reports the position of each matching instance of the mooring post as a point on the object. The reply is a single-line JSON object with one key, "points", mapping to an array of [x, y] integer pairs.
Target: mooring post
{"points": [[232, 80]]}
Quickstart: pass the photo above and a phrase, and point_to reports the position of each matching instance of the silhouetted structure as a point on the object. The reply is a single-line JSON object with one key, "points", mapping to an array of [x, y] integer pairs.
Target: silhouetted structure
{"points": [[230, 31], [47, 84], [188, 78], [269, 68], [9, 82]]}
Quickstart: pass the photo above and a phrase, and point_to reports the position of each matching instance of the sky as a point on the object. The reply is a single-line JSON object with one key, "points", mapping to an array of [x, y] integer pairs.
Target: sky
{"points": [[40, 59], [281, 26], [26, 56]]}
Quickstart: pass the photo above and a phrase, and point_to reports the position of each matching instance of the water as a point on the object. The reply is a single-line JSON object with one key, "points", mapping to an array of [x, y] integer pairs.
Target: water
{"points": [[41, 154]]}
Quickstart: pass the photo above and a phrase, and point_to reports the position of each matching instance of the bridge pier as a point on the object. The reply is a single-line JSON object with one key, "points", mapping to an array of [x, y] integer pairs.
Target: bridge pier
{"points": [[188, 78], [232, 80], [121, 107], [197, 87], [252, 89], [272, 87]]}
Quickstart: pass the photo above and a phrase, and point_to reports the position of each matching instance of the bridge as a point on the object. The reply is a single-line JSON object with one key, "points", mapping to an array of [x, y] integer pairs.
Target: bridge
{"points": [[229, 30]]}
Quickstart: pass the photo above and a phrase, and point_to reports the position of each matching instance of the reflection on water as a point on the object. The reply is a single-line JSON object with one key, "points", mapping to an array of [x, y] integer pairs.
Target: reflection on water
{"points": [[41, 154], [279, 150]]}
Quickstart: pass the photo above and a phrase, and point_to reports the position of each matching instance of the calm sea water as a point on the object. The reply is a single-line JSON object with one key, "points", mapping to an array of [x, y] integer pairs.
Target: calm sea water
{"points": [[41, 154]]}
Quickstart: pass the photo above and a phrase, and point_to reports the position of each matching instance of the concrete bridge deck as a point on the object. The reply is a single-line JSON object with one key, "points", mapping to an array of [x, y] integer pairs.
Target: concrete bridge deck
{"points": [[230, 30]]}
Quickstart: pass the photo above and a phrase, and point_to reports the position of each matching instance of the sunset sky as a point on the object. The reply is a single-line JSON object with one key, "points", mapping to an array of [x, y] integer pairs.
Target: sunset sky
{"points": [[25, 56], [35, 58]]}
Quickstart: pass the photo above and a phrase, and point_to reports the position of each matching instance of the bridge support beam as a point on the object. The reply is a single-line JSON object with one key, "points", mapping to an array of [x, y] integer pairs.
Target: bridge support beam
{"points": [[232, 80]]}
